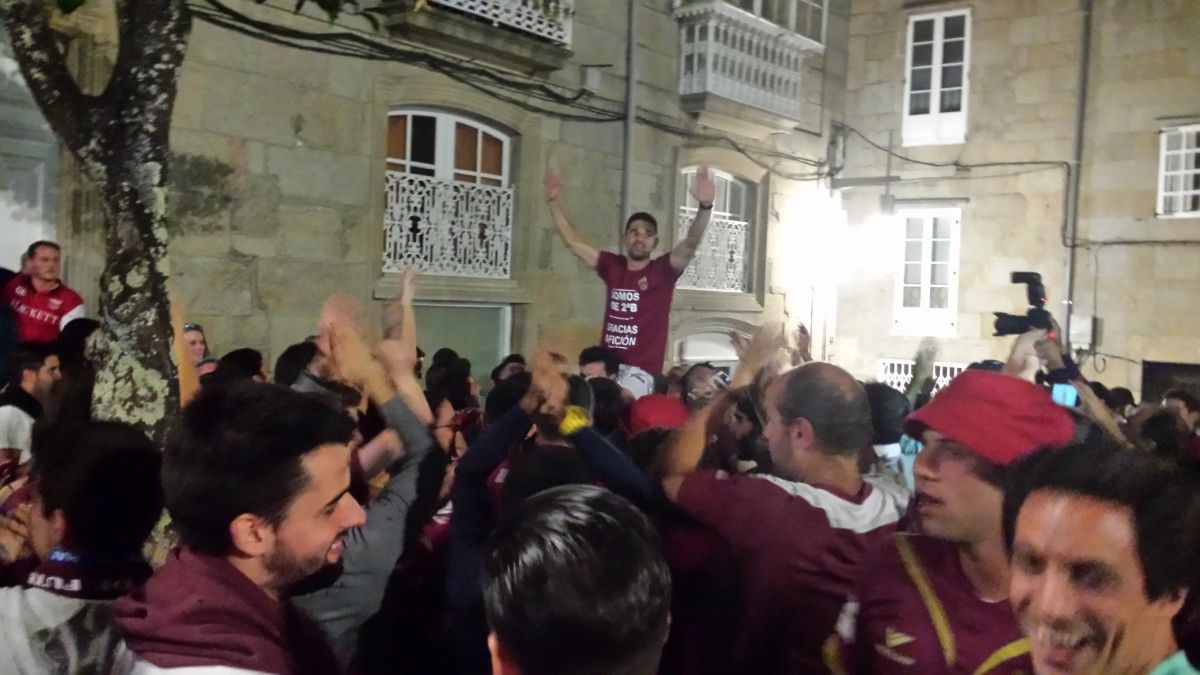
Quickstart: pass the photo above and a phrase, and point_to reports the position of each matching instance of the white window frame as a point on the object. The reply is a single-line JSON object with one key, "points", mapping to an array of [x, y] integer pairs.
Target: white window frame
{"points": [[925, 320], [936, 127], [1187, 174], [689, 209], [444, 145]]}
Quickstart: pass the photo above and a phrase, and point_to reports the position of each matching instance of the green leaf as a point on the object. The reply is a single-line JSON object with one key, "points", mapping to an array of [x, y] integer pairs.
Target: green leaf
{"points": [[68, 6]]}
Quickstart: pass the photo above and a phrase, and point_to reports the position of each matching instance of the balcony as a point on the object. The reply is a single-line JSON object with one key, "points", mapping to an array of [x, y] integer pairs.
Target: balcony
{"points": [[528, 35], [898, 373], [731, 56], [720, 262], [447, 228]]}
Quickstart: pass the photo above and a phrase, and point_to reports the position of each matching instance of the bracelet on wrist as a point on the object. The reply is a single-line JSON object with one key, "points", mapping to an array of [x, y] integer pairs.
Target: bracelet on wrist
{"points": [[574, 419], [705, 207]]}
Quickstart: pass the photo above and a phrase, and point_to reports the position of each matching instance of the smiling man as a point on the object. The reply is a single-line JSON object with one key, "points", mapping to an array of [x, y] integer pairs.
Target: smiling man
{"points": [[1104, 548], [638, 289], [256, 479], [937, 602]]}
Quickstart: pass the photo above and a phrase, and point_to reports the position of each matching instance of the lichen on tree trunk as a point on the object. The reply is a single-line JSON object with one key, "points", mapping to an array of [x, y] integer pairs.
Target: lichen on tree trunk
{"points": [[121, 139]]}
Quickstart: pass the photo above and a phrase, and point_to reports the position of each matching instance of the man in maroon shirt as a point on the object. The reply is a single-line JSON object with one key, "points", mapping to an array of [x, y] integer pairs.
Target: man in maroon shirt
{"points": [[936, 603], [798, 537], [40, 301], [638, 289]]}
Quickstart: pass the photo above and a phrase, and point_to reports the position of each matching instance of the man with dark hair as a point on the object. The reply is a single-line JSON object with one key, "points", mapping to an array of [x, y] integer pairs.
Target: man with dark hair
{"points": [[34, 369], [95, 497], [598, 361], [800, 535], [889, 407], [575, 583], [934, 603], [638, 289], [511, 365], [1104, 545], [256, 479], [240, 364], [1187, 407], [39, 299], [293, 361]]}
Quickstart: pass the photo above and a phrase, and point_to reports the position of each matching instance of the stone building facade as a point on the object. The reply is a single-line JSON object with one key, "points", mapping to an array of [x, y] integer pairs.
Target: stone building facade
{"points": [[289, 167], [959, 231]]}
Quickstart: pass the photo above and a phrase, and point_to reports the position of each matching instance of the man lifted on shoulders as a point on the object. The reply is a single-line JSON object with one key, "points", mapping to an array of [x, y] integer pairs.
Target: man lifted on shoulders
{"points": [[639, 290]]}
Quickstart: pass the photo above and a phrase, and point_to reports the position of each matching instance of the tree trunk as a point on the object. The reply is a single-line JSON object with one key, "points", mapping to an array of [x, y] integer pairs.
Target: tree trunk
{"points": [[121, 140]]}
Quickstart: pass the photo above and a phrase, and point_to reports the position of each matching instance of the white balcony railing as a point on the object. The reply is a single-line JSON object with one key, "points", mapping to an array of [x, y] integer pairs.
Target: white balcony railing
{"points": [[897, 373], [720, 262], [734, 54], [447, 228], [549, 19]]}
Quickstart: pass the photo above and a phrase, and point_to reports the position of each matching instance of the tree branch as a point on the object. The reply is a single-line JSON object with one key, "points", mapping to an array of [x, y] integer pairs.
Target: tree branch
{"points": [[44, 67]]}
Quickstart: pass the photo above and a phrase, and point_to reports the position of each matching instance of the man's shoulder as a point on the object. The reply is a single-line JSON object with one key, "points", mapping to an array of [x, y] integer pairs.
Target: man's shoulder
{"points": [[877, 511], [67, 294]]}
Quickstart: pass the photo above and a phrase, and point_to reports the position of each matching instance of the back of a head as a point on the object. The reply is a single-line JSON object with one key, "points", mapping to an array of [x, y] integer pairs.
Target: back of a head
{"points": [[444, 357], [504, 396], [832, 401], [607, 404], [539, 468], [240, 364], [888, 410], [293, 361], [1164, 503], [1165, 435], [104, 476], [1119, 398], [238, 449], [575, 583], [72, 340]]}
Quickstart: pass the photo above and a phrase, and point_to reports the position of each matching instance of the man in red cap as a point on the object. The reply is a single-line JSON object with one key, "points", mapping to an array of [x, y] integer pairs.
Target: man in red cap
{"points": [[937, 602]]}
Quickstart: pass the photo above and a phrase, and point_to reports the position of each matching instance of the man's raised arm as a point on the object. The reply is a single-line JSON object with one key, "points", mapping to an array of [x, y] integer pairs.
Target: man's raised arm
{"points": [[704, 191], [551, 185]]}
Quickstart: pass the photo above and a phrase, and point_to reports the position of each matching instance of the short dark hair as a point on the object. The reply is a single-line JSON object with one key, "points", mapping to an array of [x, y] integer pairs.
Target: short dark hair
{"points": [[504, 396], [444, 357], [642, 215], [104, 476], [1165, 504], [29, 252], [575, 583], [293, 361], [1190, 402], [838, 411], [238, 449], [1119, 397], [598, 353], [889, 408], [27, 356], [240, 364], [607, 404]]}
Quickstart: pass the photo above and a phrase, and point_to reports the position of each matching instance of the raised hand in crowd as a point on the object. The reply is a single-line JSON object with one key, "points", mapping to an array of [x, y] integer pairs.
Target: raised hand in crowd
{"points": [[14, 535], [922, 379], [547, 394], [1023, 361]]}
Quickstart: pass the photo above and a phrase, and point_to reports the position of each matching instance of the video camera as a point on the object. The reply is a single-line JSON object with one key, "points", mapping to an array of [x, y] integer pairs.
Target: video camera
{"points": [[1036, 317]]}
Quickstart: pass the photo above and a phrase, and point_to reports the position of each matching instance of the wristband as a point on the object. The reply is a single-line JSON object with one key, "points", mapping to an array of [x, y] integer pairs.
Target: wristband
{"points": [[1065, 375], [705, 207], [573, 420]]}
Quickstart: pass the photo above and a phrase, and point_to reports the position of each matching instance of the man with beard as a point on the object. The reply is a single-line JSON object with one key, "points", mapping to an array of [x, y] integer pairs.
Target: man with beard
{"points": [[256, 479], [638, 289], [935, 603], [1104, 546]]}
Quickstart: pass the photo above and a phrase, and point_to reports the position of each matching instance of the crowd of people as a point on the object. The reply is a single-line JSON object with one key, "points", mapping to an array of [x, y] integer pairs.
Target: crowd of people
{"points": [[358, 510]]}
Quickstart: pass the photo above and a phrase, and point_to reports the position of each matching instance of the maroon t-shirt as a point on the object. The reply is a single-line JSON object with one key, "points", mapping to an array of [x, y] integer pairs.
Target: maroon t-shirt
{"points": [[638, 309], [798, 548], [888, 629], [40, 316]]}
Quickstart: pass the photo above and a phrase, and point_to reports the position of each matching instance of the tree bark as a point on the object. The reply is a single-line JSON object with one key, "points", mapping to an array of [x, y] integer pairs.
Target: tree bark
{"points": [[121, 140]]}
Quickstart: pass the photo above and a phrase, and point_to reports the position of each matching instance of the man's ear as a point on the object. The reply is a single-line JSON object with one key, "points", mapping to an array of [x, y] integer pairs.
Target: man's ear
{"points": [[251, 535], [502, 662], [802, 434]]}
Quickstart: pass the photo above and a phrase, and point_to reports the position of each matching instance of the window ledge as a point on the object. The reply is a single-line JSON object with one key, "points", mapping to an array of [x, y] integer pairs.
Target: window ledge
{"points": [[924, 325], [718, 301], [455, 289]]}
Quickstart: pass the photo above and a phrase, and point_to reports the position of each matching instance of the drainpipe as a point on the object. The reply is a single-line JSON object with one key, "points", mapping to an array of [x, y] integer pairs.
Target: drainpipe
{"points": [[630, 116], [1085, 59]]}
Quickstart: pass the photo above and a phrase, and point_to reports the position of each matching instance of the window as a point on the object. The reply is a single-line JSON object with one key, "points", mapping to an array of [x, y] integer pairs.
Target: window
{"points": [[721, 261], [1179, 172], [440, 324], [935, 89], [926, 296], [449, 204], [804, 17]]}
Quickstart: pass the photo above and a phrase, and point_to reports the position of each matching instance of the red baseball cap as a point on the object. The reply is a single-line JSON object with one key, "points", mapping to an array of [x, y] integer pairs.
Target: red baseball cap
{"points": [[999, 417], [656, 410]]}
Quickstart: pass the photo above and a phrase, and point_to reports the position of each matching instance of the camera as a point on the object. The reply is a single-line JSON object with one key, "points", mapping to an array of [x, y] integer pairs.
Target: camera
{"points": [[1036, 317]]}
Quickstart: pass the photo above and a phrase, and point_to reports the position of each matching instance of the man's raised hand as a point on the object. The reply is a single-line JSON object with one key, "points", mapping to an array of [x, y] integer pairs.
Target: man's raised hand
{"points": [[552, 182], [704, 190]]}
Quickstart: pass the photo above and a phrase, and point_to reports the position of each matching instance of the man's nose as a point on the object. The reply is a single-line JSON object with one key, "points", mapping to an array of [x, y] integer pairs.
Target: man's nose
{"points": [[1054, 598]]}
